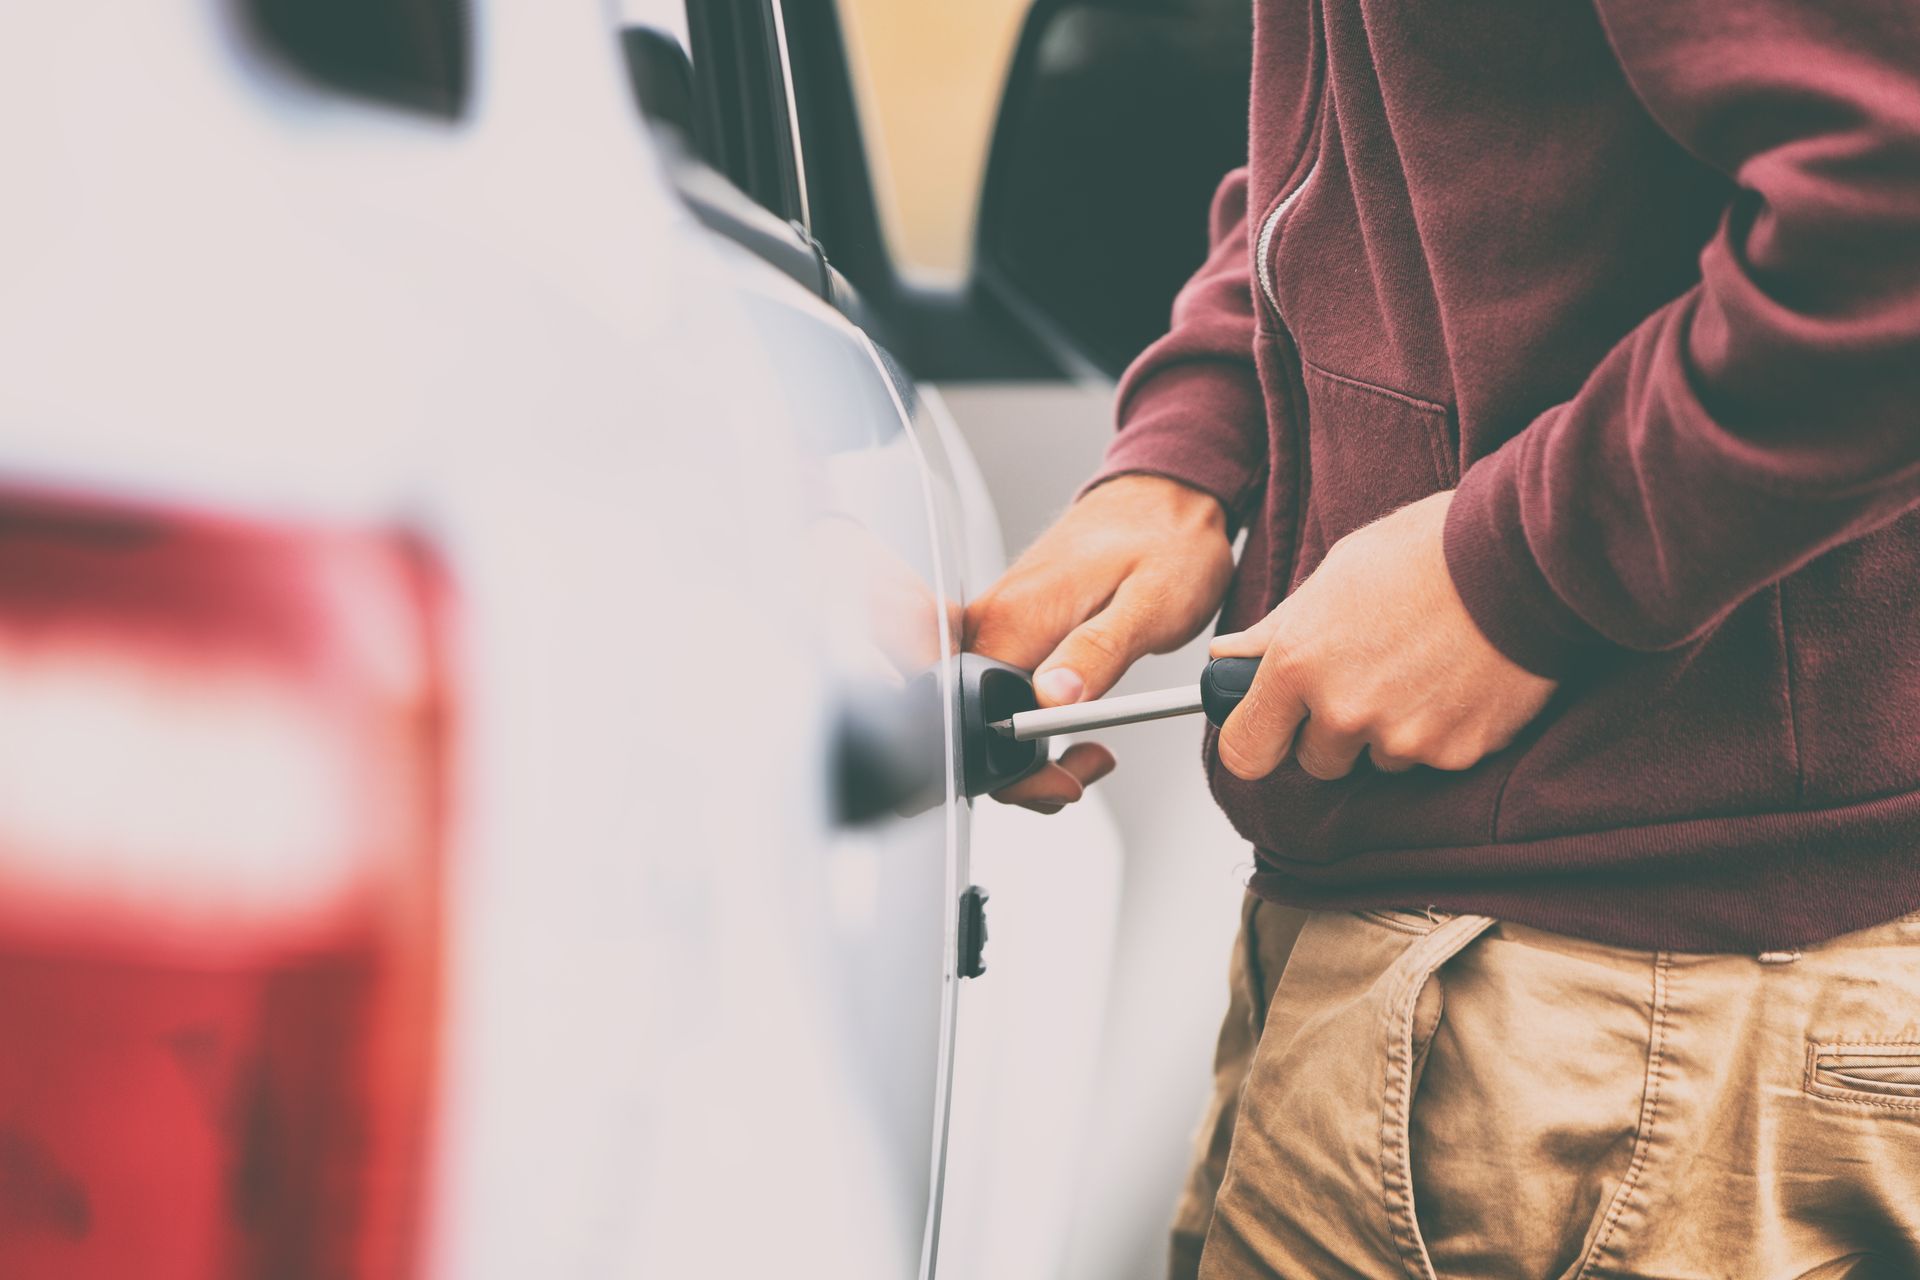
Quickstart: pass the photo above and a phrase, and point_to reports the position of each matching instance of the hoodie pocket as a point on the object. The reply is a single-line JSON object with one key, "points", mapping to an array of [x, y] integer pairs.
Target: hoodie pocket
{"points": [[1373, 450]]}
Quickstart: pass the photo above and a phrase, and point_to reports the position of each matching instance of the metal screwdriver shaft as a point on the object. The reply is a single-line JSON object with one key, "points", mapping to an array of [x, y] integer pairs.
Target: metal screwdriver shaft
{"points": [[1222, 685], [1101, 714]]}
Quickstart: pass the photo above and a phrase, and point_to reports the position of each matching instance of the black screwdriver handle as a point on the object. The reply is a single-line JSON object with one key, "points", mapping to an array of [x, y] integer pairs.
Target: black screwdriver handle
{"points": [[1223, 684]]}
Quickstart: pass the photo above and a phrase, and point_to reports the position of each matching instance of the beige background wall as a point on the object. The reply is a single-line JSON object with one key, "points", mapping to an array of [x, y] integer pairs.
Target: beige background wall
{"points": [[928, 77]]}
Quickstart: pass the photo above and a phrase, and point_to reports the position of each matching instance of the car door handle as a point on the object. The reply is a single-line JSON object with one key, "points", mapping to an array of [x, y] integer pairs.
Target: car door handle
{"points": [[992, 690], [888, 753]]}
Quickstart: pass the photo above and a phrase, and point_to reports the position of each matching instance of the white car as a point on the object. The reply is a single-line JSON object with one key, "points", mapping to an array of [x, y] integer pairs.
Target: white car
{"points": [[484, 754]]}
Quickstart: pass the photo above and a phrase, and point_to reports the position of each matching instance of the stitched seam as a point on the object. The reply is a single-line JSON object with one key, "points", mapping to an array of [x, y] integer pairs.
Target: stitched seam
{"points": [[1437, 450], [1649, 1116], [1793, 711], [1361, 384], [1286, 549], [1398, 1100], [1242, 503], [1847, 1097], [1813, 1086], [1434, 419]]}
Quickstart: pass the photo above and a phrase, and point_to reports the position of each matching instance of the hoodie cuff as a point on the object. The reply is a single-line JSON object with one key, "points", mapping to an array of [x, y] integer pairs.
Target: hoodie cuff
{"points": [[1497, 576], [1203, 424]]}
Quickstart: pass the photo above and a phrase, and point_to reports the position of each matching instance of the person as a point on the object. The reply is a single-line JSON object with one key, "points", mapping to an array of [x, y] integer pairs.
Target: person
{"points": [[1560, 364]]}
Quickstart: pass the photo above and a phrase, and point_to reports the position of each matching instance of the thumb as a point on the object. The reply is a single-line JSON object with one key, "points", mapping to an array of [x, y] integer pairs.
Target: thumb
{"points": [[1251, 643], [1098, 652]]}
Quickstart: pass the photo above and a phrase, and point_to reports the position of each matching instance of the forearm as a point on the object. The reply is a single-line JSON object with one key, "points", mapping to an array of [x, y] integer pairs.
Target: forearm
{"points": [[1770, 413]]}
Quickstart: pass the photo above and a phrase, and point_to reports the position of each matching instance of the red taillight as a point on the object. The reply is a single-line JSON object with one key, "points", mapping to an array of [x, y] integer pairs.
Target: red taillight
{"points": [[221, 768]]}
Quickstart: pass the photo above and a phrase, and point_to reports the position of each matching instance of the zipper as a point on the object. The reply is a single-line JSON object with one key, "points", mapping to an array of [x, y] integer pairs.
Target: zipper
{"points": [[1263, 248], [1286, 550]]}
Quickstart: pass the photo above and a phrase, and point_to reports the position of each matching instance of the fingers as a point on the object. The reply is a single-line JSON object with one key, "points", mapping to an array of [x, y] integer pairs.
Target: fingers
{"points": [[1260, 732], [1062, 782], [1020, 621], [1387, 763], [1251, 643], [1325, 752], [1046, 790], [1094, 655]]}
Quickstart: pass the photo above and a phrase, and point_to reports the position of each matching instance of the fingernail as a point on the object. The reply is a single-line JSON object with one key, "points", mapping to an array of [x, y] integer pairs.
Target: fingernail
{"points": [[1060, 685]]}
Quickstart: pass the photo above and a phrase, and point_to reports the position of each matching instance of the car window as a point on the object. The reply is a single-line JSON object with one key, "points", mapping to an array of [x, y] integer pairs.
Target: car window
{"points": [[712, 74]]}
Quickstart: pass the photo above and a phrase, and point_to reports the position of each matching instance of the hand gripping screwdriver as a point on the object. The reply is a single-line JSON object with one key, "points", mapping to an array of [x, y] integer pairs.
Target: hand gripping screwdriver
{"points": [[1222, 685]]}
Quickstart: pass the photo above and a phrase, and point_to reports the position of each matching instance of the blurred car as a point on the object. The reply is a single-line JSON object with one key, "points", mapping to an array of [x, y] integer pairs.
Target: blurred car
{"points": [[484, 777], [449, 597]]}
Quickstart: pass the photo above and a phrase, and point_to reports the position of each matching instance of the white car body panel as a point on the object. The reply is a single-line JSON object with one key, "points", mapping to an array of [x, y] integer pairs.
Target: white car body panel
{"points": [[224, 289]]}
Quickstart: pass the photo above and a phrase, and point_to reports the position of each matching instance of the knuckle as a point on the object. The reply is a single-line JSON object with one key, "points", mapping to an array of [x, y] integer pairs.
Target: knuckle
{"points": [[1287, 669], [1101, 640], [1452, 757], [1270, 695], [1008, 601], [1316, 767], [1341, 717], [1400, 742], [991, 613], [1281, 658], [1263, 716], [1498, 741]]}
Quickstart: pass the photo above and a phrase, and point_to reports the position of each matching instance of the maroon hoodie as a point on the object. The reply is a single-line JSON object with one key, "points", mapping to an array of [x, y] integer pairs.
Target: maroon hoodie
{"points": [[1642, 279]]}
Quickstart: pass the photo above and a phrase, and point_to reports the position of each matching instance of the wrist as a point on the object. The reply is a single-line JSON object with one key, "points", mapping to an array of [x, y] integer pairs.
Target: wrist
{"points": [[1160, 502]]}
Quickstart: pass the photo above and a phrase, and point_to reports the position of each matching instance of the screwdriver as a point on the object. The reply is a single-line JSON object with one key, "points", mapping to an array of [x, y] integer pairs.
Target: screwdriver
{"points": [[1222, 685]]}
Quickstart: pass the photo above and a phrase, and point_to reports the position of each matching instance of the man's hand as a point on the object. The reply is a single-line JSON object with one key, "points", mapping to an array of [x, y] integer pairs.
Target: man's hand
{"points": [[1375, 653], [1137, 566]]}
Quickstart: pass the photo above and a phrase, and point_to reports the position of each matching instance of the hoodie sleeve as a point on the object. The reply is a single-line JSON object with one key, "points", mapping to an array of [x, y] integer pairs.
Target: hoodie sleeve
{"points": [[1770, 413], [1190, 408]]}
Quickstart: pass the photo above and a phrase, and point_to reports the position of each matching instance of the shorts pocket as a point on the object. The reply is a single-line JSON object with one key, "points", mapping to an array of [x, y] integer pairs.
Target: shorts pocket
{"points": [[1416, 1002], [1867, 1072], [1526, 1109]]}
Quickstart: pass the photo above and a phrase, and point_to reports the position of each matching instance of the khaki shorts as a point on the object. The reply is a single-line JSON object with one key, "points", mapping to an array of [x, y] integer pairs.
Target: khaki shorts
{"points": [[1432, 1097]]}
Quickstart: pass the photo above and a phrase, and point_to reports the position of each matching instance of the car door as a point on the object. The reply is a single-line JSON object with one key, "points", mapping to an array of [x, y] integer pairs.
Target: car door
{"points": [[888, 535], [428, 326]]}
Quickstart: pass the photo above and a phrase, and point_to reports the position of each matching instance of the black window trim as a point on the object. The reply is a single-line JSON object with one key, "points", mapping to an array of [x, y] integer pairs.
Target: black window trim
{"points": [[744, 101]]}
